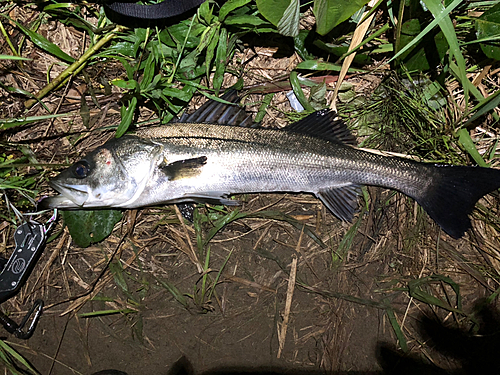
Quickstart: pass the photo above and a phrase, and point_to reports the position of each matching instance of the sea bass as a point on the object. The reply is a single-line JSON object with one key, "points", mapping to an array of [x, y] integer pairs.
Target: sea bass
{"points": [[202, 162]]}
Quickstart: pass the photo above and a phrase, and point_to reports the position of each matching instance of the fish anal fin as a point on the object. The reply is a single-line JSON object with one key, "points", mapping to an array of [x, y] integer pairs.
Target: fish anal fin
{"points": [[325, 125], [341, 201], [184, 168]]}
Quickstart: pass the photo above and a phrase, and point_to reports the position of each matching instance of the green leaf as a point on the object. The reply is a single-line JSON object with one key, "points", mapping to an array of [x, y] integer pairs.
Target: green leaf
{"points": [[87, 227], [128, 85], [272, 10], [415, 288], [13, 122], [44, 44], [11, 356], [485, 106], [127, 117], [246, 19], [106, 312], [229, 6], [149, 71], [446, 25], [321, 65], [174, 291], [297, 89], [288, 25], [427, 29], [205, 12], [301, 47], [10, 57], [220, 60], [488, 26], [466, 141], [397, 330], [209, 56], [428, 53], [330, 13], [121, 48]]}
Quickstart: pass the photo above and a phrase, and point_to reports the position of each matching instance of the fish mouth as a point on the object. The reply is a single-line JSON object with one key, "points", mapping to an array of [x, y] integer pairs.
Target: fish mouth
{"points": [[71, 196]]}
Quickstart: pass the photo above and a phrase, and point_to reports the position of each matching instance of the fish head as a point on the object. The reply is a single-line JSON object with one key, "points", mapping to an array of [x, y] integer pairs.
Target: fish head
{"points": [[113, 175]]}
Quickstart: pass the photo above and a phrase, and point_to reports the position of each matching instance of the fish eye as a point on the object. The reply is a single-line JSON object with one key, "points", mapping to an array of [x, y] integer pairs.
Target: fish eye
{"points": [[81, 169]]}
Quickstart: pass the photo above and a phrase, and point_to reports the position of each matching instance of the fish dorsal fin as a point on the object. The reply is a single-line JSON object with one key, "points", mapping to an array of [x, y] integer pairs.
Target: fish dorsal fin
{"points": [[214, 112], [323, 124], [342, 201]]}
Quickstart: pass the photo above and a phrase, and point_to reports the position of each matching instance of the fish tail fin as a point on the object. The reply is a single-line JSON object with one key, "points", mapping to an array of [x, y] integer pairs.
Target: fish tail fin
{"points": [[454, 192]]}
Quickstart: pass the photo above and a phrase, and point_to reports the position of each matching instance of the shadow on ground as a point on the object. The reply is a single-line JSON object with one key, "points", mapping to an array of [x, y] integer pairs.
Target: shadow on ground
{"points": [[472, 351]]}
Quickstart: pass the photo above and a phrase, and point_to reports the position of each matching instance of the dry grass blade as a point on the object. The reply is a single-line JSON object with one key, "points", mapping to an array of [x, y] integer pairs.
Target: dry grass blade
{"points": [[357, 38], [289, 297]]}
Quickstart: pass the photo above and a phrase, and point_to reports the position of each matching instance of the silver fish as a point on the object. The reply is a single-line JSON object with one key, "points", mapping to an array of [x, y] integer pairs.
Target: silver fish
{"points": [[199, 162]]}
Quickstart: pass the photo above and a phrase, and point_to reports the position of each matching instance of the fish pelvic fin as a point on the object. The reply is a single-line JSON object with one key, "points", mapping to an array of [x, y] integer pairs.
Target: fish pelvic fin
{"points": [[454, 192], [341, 201], [325, 125]]}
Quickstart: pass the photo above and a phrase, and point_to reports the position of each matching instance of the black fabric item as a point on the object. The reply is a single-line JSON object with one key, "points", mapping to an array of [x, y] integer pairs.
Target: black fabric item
{"points": [[166, 9]]}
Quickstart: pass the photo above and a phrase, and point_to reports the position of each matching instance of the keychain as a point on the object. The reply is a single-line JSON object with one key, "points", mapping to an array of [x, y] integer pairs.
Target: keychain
{"points": [[30, 240]]}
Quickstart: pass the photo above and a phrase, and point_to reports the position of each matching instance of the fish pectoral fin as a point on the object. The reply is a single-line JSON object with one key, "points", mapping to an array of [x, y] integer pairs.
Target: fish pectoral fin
{"points": [[183, 168], [213, 197], [342, 201]]}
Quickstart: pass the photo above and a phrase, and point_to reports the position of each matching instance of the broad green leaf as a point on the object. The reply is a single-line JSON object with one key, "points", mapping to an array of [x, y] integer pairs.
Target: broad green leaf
{"points": [[128, 85], [127, 117], [176, 93], [229, 6], [342, 51], [121, 48], [87, 227], [273, 10], [246, 19], [149, 71], [220, 60], [427, 29], [301, 46], [297, 89], [205, 12], [466, 141], [488, 26], [288, 25], [322, 65], [209, 56], [44, 44], [207, 36], [426, 54], [330, 13], [57, 6]]}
